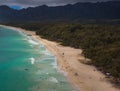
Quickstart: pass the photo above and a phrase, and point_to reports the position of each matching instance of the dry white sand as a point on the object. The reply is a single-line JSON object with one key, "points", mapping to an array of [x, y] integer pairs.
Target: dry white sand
{"points": [[81, 76]]}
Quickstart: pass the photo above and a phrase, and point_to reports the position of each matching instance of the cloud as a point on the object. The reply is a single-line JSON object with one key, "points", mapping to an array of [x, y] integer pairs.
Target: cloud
{"points": [[26, 3]]}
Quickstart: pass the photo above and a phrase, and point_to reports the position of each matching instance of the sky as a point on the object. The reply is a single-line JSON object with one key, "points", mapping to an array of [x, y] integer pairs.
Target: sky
{"points": [[15, 7], [18, 4]]}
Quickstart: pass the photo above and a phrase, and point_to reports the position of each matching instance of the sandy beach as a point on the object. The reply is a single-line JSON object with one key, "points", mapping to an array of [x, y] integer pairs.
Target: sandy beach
{"points": [[81, 76]]}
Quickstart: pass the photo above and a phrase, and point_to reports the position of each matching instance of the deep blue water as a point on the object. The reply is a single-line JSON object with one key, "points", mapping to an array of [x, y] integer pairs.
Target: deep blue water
{"points": [[26, 65]]}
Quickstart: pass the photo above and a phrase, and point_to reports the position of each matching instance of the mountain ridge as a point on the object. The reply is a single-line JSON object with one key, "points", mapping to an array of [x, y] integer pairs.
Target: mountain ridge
{"points": [[98, 10]]}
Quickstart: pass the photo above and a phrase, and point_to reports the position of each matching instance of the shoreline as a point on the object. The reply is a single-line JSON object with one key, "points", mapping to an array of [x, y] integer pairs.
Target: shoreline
{"points": [[81, 76]]}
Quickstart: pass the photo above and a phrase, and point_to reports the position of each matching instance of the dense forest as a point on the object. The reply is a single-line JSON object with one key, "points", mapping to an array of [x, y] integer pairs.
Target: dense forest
{"points": [[100, 43]]}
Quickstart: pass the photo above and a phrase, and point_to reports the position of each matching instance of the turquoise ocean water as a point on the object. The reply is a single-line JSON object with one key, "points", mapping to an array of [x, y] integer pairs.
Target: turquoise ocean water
{"points": [[26, 65]]}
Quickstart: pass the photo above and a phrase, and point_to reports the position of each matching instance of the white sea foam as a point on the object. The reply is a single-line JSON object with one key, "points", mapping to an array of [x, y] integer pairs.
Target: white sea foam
{"points": [[47, 53], [40, 45], [33, 42], [53, 79], [47, 73], [63, 72], [32, 60], [22, 33], [54, 64], [47, 58]]}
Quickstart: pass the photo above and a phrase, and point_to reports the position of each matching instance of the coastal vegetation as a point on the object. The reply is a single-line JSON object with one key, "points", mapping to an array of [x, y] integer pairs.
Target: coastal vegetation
{"points": [[100, 43]]}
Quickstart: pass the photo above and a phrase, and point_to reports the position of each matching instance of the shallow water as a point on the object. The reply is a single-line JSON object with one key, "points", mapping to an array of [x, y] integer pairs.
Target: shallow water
{"points": [[26, 65]]}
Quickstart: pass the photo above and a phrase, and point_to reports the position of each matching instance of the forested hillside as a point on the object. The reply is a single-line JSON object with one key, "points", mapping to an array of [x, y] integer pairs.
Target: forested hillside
{"points": [[99, 11], [100, 43]]}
